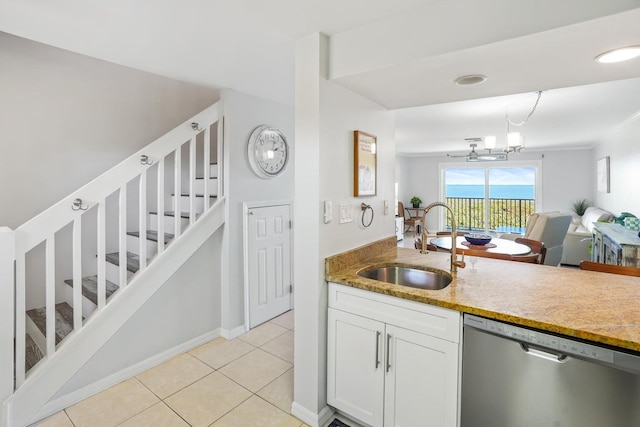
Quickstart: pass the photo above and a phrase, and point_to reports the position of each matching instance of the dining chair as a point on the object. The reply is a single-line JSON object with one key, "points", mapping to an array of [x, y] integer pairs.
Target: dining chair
{"points": [[537, 247], [484, 254], [417, 243], [610, 268], [409, 220], [532, 258]]}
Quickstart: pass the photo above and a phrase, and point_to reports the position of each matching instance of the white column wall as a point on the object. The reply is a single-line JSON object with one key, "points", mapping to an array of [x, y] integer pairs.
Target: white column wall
{"points": [[326, 116]]}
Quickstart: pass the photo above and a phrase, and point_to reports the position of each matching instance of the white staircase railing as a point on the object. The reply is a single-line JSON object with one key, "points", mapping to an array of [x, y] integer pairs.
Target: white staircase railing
{"points": [[116, 225]]}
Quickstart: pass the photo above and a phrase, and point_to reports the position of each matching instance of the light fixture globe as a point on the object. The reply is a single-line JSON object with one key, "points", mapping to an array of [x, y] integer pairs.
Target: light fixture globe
{"points": [[489, 142], [618, 55], [472, 79]]}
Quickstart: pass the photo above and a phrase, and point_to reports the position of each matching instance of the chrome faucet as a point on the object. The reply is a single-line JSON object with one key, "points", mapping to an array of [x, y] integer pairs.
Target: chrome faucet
{"points": [[423, 236]]}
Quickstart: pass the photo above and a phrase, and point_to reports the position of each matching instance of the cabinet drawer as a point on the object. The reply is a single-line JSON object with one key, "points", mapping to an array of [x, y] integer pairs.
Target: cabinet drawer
{"points": [[428, 319]]}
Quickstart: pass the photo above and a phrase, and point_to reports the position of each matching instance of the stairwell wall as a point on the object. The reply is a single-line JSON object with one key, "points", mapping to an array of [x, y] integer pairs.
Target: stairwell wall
{"points": [[243, 113], [66, 118], [184, 308]]}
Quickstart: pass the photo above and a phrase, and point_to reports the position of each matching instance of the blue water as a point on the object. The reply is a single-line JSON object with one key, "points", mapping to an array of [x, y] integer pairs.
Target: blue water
{"points": [[495, 191]]}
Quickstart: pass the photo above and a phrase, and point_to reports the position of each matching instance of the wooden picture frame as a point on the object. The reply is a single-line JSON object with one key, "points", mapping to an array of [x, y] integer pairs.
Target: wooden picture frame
{"points": [[604, 185], [365, 166]]}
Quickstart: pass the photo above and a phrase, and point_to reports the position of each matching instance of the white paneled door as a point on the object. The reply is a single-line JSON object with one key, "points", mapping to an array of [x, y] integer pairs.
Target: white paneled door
{"points": [[269, 262]]}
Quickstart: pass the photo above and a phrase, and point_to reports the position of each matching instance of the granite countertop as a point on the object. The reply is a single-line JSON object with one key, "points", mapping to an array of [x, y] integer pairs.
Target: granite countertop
{"points": [[589, 305]]}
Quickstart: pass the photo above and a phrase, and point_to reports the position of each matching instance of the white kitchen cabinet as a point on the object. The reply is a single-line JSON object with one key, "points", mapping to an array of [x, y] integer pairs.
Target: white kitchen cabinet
{"points": [[355, 369], [391, 362]]}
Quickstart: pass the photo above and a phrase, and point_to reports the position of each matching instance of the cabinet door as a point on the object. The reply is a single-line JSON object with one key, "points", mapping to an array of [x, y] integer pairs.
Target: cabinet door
{"points": [[355, 373], [421, 379]]}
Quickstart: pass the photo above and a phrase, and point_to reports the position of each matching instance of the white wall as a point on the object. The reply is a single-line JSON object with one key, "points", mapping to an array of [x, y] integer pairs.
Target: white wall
{"points": [[622, 145], [326, 116], [342, 112], [66, 118], [567, 176], [243, 113]]}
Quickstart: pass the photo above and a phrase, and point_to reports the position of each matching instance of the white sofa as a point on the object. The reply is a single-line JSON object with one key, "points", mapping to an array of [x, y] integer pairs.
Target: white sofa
{"points": [[577, 242]]}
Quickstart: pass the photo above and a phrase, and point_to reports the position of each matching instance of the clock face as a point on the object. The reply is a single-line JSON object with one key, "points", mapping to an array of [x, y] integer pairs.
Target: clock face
{"points": [[268, 151]]}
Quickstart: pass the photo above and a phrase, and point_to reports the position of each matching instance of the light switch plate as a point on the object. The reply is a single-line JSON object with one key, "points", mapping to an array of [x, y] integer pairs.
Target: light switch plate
{"points": [[346, 213], [328, 211]]}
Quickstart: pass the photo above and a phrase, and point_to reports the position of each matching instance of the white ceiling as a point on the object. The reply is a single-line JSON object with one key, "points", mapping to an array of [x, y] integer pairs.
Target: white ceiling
{"points": [[402, 54]]}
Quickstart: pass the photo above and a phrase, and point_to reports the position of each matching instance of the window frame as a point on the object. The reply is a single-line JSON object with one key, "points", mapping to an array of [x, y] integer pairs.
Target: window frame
{"points": [[486, 165]]}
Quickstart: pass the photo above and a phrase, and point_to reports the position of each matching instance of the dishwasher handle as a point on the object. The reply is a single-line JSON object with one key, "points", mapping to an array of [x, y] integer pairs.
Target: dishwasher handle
{"points": [[544, 354]]}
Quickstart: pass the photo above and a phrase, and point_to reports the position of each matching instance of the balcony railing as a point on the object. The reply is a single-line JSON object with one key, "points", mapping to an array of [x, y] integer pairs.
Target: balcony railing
{"points": [[504, 214]]}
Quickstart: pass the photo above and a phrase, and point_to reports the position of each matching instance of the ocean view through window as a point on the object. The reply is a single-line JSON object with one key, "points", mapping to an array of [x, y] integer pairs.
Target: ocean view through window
{"points": [[491, 199]]}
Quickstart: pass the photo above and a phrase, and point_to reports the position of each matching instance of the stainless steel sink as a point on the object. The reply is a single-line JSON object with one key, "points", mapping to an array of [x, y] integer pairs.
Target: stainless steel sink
{"points": [[407, 276]]}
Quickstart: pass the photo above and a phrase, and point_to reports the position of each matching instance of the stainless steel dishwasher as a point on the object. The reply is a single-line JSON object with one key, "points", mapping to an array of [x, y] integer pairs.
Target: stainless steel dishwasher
{"points": [[520, 377]]}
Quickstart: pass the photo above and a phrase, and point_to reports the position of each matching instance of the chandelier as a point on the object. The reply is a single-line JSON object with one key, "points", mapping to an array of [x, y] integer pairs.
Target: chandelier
{"points": [[475, 156], [514, 140]]}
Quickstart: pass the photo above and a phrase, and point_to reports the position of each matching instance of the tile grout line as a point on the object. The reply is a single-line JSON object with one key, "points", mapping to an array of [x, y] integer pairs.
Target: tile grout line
{"points": [[218, 370]]}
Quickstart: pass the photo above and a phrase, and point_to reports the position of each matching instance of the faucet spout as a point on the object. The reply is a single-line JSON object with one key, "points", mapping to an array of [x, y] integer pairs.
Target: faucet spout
{"points": [[454, 262]]}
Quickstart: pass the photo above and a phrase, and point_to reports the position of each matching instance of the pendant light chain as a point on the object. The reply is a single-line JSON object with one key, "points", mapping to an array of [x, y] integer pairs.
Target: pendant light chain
{"points": [[509, 122]]}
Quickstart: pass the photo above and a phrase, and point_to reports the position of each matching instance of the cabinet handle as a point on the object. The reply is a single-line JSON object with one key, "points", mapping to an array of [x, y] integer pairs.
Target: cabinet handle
{"points": [[377, 349], [388, 346]]}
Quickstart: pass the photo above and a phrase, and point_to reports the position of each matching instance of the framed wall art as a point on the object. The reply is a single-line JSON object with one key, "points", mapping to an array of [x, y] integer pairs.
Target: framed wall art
{"points": [[603, 175], [365, 173]]}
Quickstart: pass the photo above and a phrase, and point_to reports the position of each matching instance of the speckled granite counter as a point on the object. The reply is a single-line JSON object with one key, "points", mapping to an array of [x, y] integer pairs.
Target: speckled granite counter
{"points": [[594, 306]]}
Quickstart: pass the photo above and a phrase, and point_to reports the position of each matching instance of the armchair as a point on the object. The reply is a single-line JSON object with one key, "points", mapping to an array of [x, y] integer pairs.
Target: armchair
{"points": [[577, 243], [549, 228]]}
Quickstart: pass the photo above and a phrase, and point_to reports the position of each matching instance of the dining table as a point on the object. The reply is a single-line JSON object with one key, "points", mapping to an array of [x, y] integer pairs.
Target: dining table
{"points": [[496, 245]]}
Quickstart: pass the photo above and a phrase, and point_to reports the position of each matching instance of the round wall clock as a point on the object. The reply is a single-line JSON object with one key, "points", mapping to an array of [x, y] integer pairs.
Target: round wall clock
{"points": [[268, 151]]}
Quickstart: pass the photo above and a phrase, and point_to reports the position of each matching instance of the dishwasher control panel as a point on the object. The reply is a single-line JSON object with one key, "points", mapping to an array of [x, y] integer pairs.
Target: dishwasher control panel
{"points": [[541, 339]]}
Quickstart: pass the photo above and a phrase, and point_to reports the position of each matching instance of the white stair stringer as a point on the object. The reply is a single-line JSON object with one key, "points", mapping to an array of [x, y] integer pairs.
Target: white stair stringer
{"points": [[52, 374]]}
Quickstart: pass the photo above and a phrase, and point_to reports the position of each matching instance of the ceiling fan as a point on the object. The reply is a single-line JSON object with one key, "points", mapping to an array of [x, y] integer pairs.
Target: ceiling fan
{"points": [[474, 156]]}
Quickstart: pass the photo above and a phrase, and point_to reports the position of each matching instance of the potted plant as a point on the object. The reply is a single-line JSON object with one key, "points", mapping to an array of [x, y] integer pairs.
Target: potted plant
{"points": [[580, 206], [415, 201]]}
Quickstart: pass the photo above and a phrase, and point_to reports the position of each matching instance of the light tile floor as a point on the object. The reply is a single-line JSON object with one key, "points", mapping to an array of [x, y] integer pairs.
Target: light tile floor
{"points": [[247, 381]]}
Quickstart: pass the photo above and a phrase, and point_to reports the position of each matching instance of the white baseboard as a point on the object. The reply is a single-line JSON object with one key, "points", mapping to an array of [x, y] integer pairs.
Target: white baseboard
{"points": [[74, 397], [233, 333], [311, 418]]}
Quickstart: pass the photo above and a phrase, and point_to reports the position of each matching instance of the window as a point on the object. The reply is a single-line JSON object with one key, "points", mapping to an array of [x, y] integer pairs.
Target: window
{"points": [[491, 199]]}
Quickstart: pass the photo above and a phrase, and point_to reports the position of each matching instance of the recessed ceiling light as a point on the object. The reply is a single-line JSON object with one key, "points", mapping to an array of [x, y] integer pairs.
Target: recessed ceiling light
{"points": [[619, 55], [473, 79]]}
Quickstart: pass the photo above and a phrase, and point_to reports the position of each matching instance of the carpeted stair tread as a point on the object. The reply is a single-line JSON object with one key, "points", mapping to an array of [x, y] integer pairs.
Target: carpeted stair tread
{"points": [[152, 235], [133, 260], [64, 320], [32, 353], [172, 213], [197, 195], [90, 288]]}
